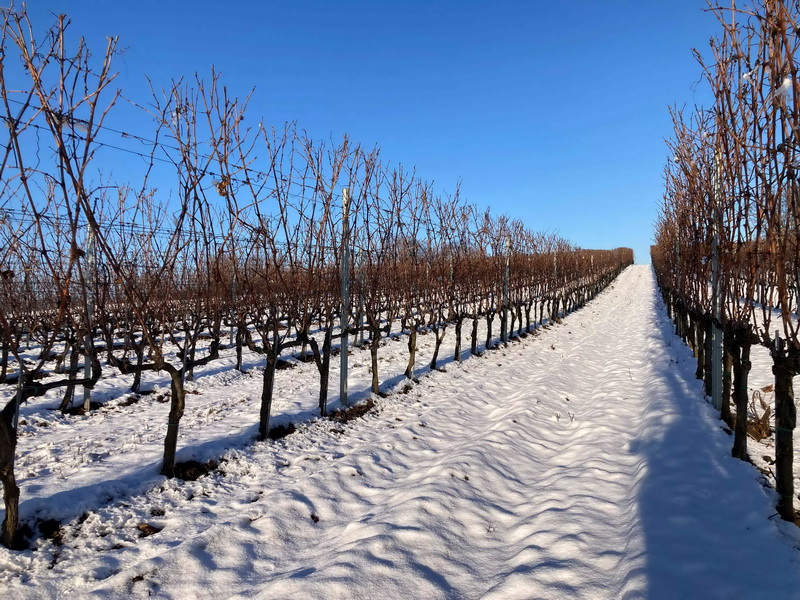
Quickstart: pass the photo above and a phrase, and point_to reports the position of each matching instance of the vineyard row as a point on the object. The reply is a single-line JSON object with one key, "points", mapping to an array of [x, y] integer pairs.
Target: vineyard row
{"points": [[266, 237], [726, 254]]}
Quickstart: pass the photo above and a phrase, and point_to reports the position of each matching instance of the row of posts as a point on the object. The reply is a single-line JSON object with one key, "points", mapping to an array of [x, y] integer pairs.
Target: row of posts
{"points": [[716, 331], [716, 295], [345, 289], [87, 341], [345, 307], [716, 289]]}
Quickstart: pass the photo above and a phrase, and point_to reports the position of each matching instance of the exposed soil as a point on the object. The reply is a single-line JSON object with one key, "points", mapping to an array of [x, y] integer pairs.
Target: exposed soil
{"points": [[345, 415], [192, 470], [147, 529], [79, 410], [281, 431], [51, 530], [130, 400]]}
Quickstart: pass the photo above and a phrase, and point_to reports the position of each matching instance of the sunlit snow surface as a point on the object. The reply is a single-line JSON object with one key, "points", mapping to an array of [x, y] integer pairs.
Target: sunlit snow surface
{"points": [[579, 463]]}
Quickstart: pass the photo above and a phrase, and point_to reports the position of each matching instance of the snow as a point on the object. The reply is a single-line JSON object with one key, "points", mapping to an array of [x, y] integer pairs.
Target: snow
{"points": [[581, 462], [785, 87]]}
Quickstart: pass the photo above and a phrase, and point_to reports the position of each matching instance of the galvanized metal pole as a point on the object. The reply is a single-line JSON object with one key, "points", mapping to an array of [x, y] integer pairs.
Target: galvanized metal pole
{"points": [[358, 264], [18, 401], [185, 347], [451, 308], [716, 330], [504, 320], [233, 309], [87, 368], [555, 282], [345, 294]]}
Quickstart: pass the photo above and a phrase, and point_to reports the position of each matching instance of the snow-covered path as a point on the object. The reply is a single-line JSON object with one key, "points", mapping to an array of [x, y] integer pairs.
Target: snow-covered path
{"points": [[581, 463]]}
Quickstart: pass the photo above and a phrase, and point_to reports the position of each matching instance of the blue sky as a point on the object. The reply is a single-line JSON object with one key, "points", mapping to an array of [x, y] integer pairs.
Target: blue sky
{"points": [[551, 112]]}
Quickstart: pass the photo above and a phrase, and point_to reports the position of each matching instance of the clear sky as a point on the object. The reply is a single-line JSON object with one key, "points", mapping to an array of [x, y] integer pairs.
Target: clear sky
{"points": [[553, 112]]}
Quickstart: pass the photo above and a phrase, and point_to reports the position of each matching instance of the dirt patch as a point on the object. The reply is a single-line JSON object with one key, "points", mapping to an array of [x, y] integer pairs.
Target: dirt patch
{"points": [[51, 530], [22, 540], [79, 410], [192, 470], [282, 365], [281, 431], [147, 529], [130, 400], [345, 415]]}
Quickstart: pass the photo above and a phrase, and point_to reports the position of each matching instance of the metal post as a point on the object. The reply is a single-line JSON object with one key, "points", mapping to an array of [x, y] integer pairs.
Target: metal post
{"points": [[452, 309], [233, 309], [452, 273], [18, 401], [555, 281], [716, 331], [361, 301], [797, 308], [345, 294], [504, 320], [87, 368], [185, 347]]}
